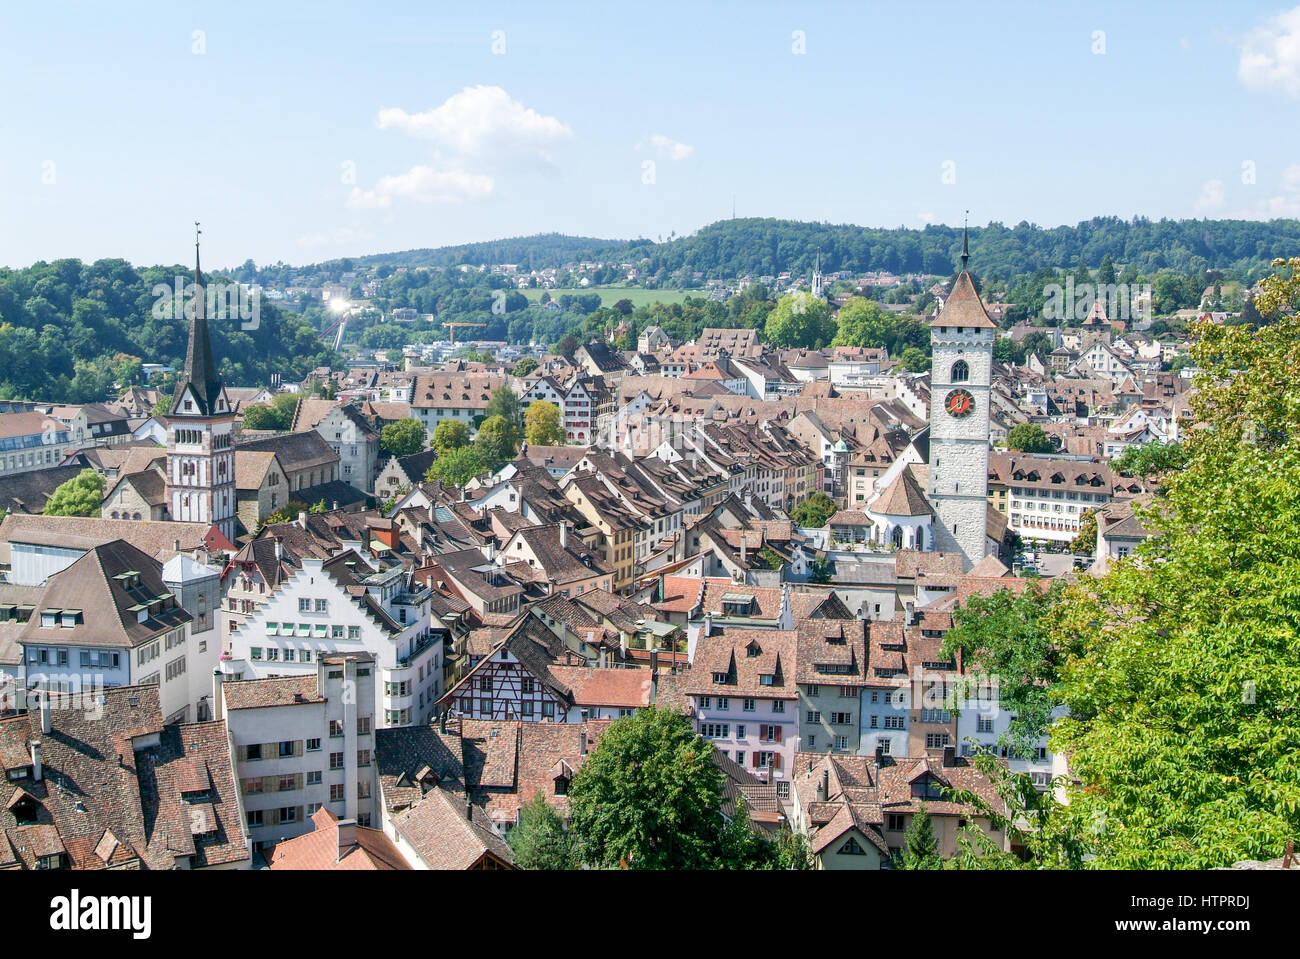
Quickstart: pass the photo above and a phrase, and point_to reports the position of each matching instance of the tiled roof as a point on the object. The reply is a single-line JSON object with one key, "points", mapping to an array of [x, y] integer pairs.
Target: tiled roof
{"points": [[444, 836], [370, 851]]}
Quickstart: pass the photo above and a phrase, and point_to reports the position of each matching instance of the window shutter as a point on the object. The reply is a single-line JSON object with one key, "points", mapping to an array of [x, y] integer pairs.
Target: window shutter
{"points": [[297, 781], [272, 817], [270, 784], [299, 809], [754, 756], [776, 760], [777, 731], [297, 748], [243, 754]]}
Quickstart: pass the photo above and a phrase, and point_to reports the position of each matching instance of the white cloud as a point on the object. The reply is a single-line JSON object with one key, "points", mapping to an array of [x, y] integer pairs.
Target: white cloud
{"points": [[1270, 56], [1211, 198], [1287, 203], [424, 184], [481, 122], [669, 148]]}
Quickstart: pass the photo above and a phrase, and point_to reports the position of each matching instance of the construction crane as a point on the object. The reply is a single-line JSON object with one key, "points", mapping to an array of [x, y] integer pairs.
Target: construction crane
{"points": [[451, 330]]}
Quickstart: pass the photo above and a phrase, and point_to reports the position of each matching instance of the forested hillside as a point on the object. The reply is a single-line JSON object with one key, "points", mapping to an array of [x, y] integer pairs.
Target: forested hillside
{"points": [[759, 246], [70, 330]]}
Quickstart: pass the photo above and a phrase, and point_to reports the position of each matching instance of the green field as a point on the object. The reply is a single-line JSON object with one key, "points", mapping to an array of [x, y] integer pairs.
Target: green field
{"points": [[609, 295]]}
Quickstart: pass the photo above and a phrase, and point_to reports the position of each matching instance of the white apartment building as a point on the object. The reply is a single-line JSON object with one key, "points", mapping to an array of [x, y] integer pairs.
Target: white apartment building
{"points": [[303, 742], [319, 612]]}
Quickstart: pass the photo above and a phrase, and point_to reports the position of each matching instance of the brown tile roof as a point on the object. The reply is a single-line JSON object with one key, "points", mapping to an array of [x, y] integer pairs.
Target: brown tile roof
{"points": [[902, 497], [744, 657], [319, 849], [444, 837], [105, 602], [264, 693], [963, 307], [620, 688], [832, 652]]}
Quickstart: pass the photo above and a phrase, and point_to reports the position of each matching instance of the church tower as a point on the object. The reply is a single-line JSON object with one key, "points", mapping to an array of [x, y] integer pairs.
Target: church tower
{"points": [[961, 338], [200, 431], [818, 286]]}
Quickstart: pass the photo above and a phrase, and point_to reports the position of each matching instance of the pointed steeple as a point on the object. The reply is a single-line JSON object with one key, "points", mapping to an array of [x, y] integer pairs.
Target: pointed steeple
{"points": [[965, 242], [200, 373]]}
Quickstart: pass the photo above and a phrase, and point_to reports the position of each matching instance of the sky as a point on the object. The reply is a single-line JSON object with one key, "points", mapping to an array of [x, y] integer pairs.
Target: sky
{"points": [[303, 132]]}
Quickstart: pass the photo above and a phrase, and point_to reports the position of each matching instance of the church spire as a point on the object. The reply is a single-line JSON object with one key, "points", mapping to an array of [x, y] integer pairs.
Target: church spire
{"points": [[199, 378], [965, 242]]}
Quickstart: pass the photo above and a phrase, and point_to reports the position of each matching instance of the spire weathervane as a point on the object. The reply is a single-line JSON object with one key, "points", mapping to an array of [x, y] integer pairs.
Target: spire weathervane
{"points": [[965, 243]]}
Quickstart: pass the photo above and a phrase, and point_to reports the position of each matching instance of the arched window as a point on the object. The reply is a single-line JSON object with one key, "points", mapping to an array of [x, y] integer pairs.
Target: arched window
{"points": [[960, 372]]}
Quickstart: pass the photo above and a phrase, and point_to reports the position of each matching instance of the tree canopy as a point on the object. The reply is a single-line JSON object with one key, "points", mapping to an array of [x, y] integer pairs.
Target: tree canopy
{"points": [[79, 496], [542, 424], [402, 438]]}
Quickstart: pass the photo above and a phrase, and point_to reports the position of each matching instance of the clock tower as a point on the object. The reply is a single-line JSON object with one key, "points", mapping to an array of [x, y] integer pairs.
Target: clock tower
{"points": [[961, 339], [200, 431]]}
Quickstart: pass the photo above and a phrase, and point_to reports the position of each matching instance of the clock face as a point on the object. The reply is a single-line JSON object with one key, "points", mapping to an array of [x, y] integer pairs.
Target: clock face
{"points": [[959, 403]]}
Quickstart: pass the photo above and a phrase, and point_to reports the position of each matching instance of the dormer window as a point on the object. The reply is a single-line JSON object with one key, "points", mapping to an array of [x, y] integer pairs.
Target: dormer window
{"points": [[720, 678]]}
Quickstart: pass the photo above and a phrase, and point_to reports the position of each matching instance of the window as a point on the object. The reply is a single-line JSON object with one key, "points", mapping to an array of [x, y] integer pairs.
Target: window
{"points": [[814, 716], [336, 728], [851, 848], [336, 792], [304, 605], [322, 605], [747, 705], [960, 372], [287, 748], [841, 742], [895, 822], [778, 705], [363, 725], [841, 719], [254, 818], [984, 724], [313, 777], [363, 757], [723, 704], [936, 740], [715, 730], [336, 760], [253, 752], [313, 745]]}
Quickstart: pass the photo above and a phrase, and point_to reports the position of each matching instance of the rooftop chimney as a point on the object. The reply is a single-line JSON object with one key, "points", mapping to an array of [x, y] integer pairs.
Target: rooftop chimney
{"points": [[36, 760], [950, 756], [279, 551], [564, 535], [176, 545], [218, 706], [469, 807], [824, 786], [622, 643], [46, 726], [909, 613], [347, 831], [302, 520], [336, 506]]}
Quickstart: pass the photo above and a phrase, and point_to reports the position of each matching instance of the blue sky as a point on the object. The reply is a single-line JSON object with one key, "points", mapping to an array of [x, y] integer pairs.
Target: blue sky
{"points": [[300, 132]]}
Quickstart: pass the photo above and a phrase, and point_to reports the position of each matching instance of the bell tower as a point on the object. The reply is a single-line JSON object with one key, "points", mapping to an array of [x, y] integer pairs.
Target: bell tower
{"points": [[961, 339], [200, 430]]}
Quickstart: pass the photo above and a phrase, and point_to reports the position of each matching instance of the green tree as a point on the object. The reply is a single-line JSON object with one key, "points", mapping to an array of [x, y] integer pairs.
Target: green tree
{"points": [[1028, 438], [1085, 541], [862, 322], [813, 511], [505, 403], [79, 496], [539, 840], [920, 847], [542, 424], [1007, 635], [823, 570], [456, 467], [525, 366], [1149, 459], [802, 320], [450, 435], [914, 360], [402, 438], [1182, 722], [495, 442], [649, 796]]}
